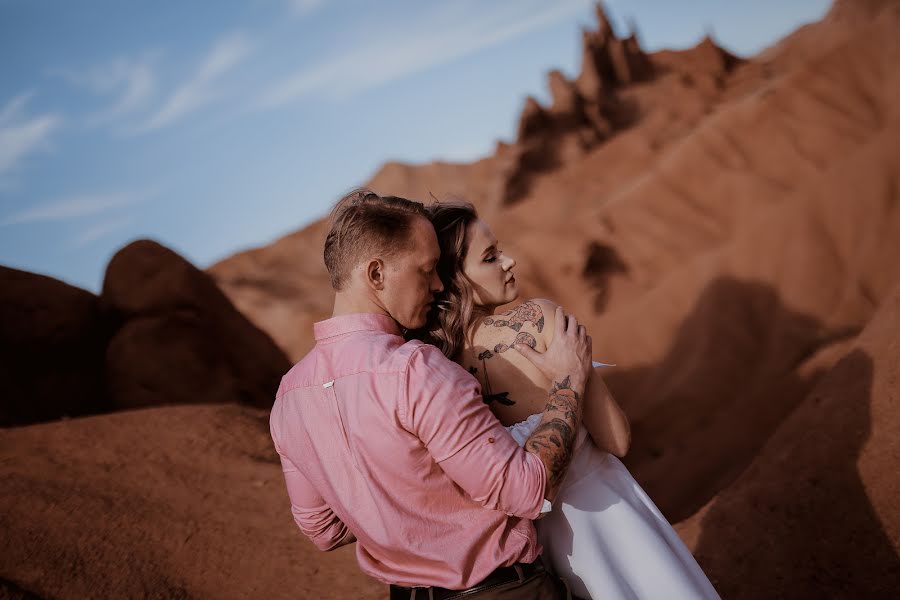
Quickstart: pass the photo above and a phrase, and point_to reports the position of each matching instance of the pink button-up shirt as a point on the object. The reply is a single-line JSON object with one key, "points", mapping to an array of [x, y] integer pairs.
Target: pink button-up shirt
{"points": [[391, 441]]}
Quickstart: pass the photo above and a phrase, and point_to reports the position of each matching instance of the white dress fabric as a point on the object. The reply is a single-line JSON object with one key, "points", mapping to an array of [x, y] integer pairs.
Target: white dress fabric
{"points": [[605, 536]]}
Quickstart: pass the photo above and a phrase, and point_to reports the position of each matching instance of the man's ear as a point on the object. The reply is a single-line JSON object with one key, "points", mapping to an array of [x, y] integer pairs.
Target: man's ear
{"points": [[375, 274]]}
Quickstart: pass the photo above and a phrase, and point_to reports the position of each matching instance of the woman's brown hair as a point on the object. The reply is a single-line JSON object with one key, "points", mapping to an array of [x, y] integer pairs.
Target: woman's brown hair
{"points": [[449, 320]]}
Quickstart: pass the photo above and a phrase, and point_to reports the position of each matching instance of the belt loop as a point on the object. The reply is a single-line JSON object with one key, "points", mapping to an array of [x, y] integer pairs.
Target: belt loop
{"points": [[413, 595], [431, 593], [519, 572]]}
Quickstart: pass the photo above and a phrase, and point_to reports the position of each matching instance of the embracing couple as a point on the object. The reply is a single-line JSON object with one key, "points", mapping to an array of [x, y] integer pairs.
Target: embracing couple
{"points": [[468, 454]]}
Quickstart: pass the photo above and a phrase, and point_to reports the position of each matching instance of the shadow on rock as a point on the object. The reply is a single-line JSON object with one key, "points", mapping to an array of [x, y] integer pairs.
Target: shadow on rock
{"points": [[739, 364], [800, 522]]}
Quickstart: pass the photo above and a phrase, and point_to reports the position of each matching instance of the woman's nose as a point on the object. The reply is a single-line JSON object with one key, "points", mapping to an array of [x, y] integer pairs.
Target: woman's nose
{"points": [[510, 263]]}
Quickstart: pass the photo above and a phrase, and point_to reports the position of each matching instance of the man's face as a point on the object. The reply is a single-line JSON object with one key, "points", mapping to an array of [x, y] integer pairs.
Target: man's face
{"points": [[411, 280]]}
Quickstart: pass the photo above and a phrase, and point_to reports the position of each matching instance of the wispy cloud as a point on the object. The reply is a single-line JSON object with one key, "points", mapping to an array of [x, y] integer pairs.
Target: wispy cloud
{"points": [[132, 81], [436, 39], [102, 229], [74, 207], [199, 90], [304, 7], [21, 135]]}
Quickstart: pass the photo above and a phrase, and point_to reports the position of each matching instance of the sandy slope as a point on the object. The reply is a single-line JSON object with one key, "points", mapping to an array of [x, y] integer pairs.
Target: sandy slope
{"points": [[727, 229], [171, 502], [816, 513]]}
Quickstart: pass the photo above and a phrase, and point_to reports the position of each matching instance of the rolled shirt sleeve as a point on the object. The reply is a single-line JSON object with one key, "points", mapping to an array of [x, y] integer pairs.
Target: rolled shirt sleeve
{"points": [[311, 514], [444, 409]]}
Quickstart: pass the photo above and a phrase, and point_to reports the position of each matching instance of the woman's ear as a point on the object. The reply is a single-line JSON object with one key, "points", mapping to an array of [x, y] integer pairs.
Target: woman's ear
{"points": [[375, 274]]}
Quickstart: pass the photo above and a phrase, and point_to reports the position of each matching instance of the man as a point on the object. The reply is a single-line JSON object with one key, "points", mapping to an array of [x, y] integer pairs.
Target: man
{"points": [[389, 444]]}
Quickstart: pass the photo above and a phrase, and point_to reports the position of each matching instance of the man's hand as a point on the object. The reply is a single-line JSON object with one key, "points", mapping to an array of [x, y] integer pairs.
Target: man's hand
{"points": [[569, 353], [567, 363]]}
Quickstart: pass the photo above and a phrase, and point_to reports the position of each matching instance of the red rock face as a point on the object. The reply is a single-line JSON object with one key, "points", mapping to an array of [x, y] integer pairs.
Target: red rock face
{"points": [[726, 228], [584, 112], [821, 498], [728, 231]]}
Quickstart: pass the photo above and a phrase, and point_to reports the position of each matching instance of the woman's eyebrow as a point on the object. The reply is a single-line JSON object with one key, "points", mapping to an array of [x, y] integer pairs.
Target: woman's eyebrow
{"points": [[488, 249]]}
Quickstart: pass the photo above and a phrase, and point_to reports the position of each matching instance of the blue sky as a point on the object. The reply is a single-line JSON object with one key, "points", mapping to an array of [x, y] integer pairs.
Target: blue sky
{"points": [[213, 127]]}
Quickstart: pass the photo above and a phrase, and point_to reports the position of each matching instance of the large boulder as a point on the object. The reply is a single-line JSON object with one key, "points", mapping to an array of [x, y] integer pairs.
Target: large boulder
{"points": [[53, 340], [179, 339]]}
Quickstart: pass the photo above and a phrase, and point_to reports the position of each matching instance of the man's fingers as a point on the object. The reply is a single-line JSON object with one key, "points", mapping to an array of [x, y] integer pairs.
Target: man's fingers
{"points": [[560, 322], [582, 331], [528, 352], [572, 325]]}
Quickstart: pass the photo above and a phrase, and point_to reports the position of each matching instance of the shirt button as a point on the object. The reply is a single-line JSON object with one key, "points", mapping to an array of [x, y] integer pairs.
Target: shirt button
{"points": [[491, 440]]}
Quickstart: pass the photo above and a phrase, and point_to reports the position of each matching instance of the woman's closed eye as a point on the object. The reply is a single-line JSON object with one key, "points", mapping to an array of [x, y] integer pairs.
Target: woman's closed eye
{"points": [[494, 255]]}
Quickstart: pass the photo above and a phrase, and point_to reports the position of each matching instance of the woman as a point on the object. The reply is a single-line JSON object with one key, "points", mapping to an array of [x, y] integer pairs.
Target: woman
{"points": [[604, 536]]}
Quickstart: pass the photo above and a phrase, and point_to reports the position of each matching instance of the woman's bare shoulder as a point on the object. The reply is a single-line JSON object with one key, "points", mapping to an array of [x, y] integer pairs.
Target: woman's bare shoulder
{"points": [[532, 321], [504, 371]]}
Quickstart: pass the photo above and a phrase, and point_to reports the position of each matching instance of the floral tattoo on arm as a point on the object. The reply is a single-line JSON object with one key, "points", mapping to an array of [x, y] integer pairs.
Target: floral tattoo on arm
{"points": [[554, 438]]}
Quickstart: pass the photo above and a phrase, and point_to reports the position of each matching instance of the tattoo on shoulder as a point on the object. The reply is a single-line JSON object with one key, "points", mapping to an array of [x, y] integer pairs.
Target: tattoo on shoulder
{"points": [[528, 312], [521, 338]]}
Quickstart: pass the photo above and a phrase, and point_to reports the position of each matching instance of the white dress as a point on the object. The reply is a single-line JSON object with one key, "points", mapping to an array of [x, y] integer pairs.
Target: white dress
{"points": [[605, 536]]}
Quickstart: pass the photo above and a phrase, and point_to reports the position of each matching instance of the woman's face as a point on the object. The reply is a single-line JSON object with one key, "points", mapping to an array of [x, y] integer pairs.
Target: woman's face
{"points": [[489, 270]]}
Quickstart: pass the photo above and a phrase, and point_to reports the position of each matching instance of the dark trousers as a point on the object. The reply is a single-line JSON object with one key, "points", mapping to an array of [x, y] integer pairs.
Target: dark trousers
{"points": [[534, 583]]}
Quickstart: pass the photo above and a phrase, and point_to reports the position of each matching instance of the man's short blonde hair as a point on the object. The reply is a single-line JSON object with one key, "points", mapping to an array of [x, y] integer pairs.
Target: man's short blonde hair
{"points": [[364, 224]]}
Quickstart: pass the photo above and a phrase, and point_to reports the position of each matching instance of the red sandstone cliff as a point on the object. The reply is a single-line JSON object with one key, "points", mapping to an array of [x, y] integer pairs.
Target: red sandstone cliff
{"points": [[728, 229]]}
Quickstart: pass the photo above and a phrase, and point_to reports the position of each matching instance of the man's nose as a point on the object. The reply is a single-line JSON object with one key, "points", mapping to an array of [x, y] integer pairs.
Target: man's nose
{"points": [[437, 286]]}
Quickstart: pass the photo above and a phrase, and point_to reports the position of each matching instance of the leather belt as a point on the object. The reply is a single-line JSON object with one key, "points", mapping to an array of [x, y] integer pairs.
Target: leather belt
{"points": [[500, 576]]}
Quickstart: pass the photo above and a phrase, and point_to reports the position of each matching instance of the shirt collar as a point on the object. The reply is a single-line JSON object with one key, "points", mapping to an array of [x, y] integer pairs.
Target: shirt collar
{"points": [[355, 322]]}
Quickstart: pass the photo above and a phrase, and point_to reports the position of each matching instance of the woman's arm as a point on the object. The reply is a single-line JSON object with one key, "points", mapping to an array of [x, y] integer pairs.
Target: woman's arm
{"points": [[604, 419], [601, 414]]}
